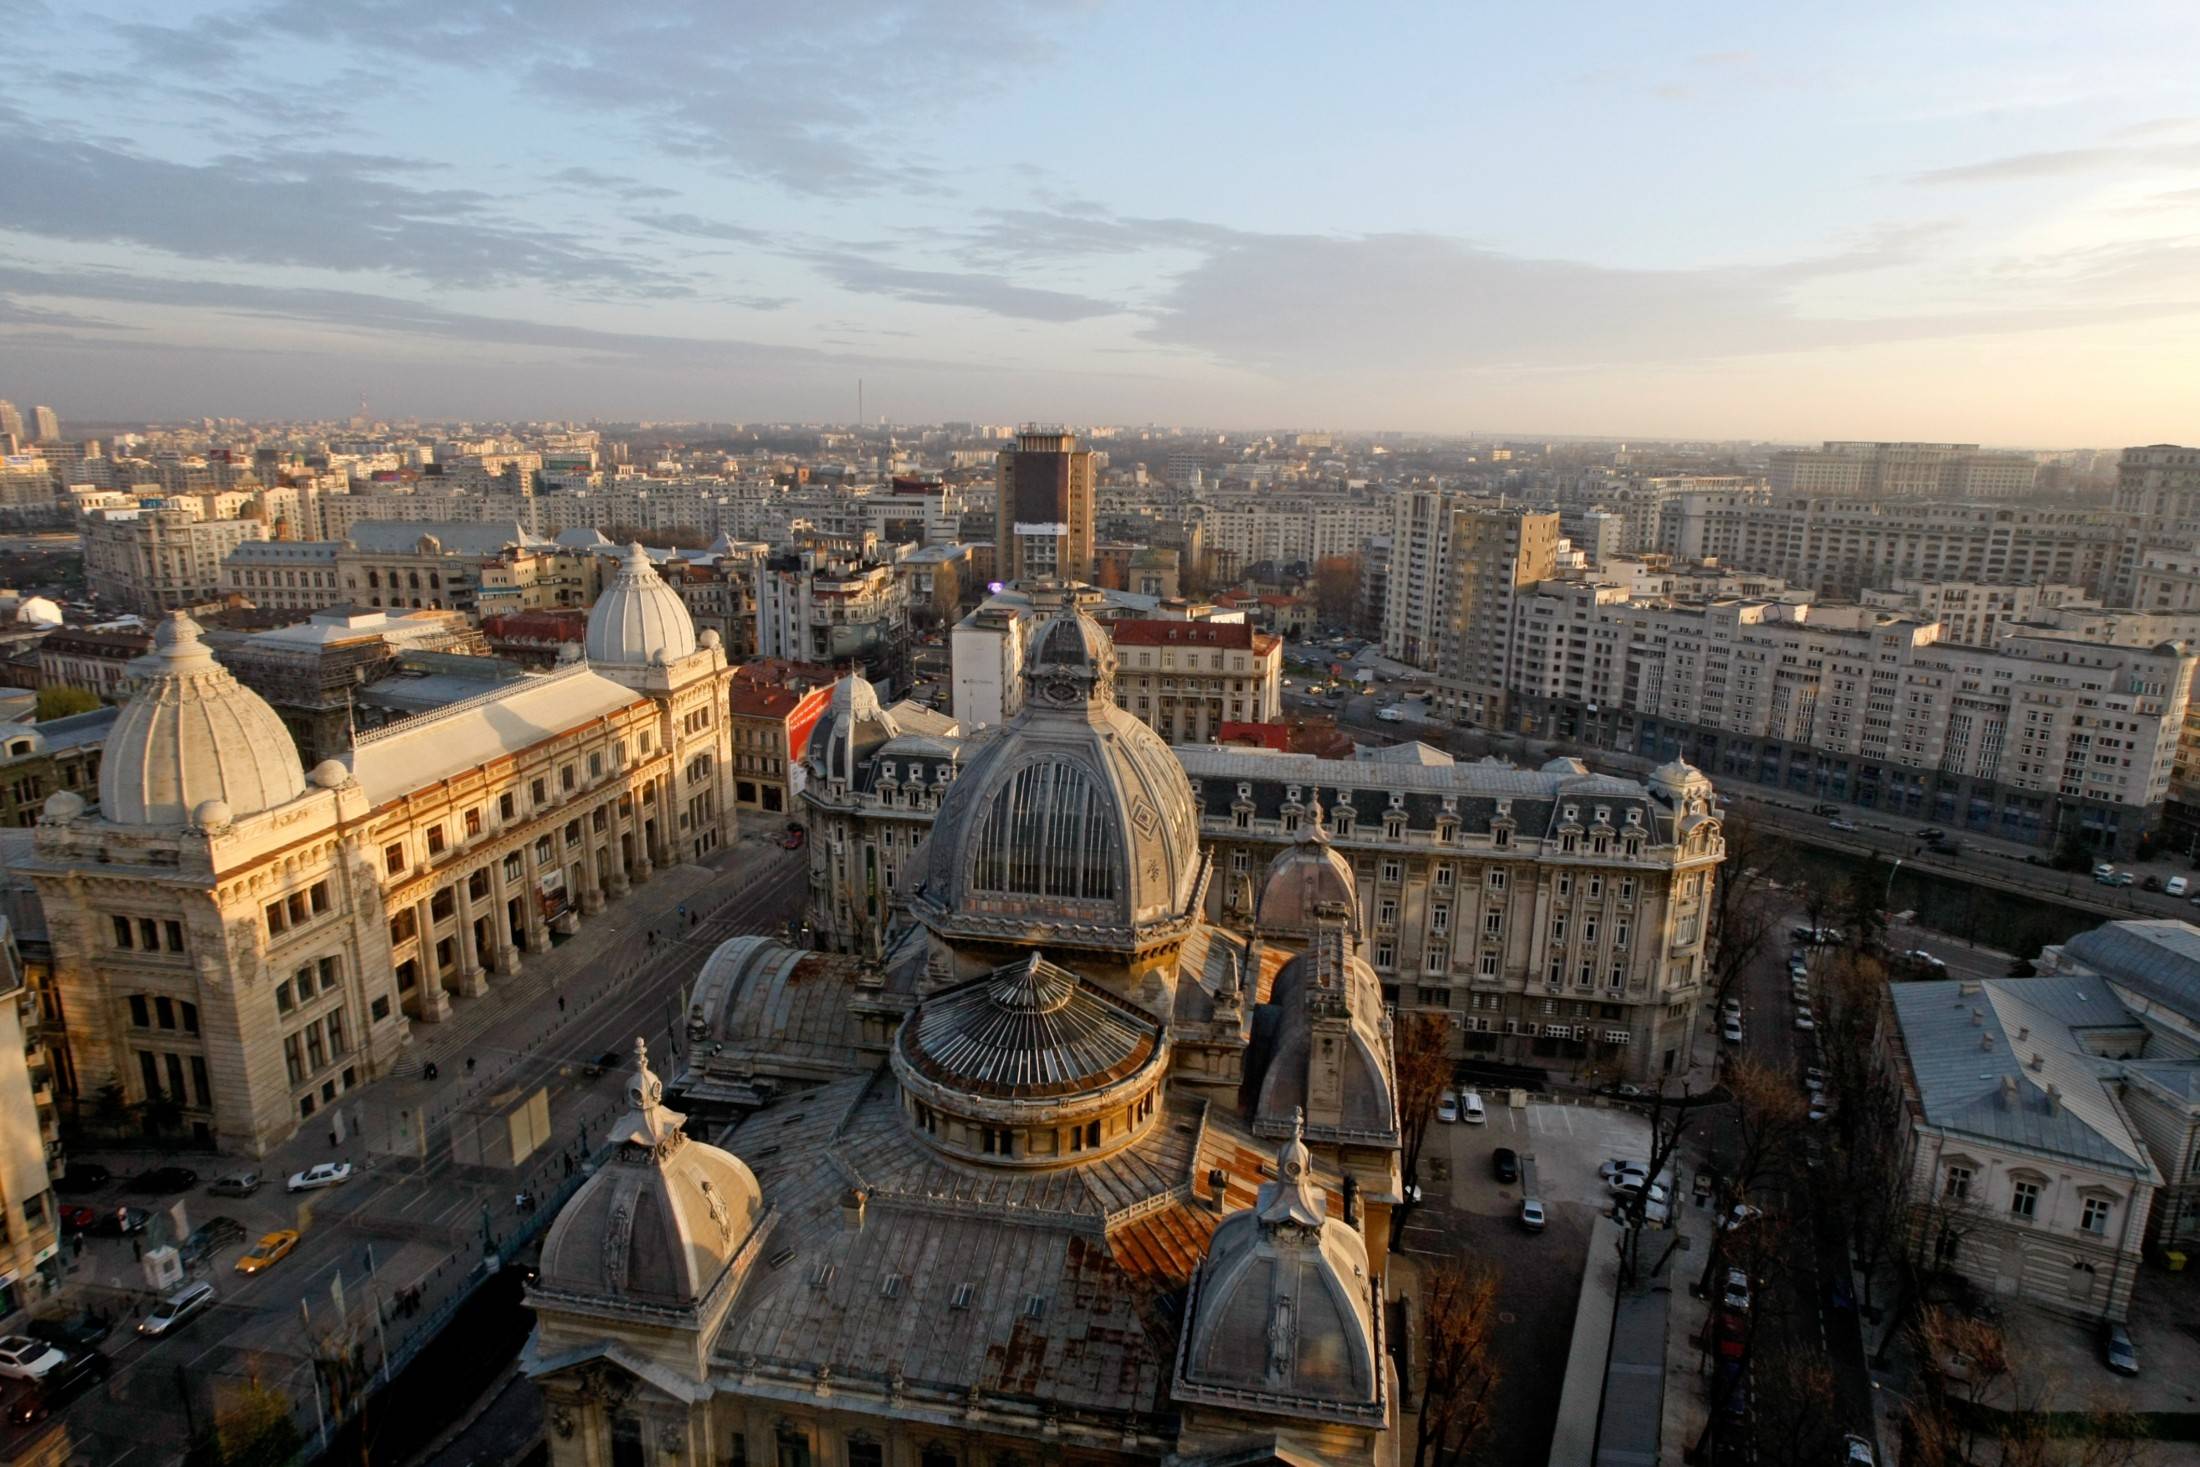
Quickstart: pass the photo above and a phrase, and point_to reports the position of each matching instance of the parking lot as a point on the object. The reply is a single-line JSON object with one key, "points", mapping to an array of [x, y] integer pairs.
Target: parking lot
{"points": [[1470, 1215]]}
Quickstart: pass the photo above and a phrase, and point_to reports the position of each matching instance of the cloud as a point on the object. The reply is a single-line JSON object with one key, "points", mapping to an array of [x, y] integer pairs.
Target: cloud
{"points": [[610, 183], [695, 226], [2064, 163], [324, 209], [1322, 307], [808, 97], [950, 288], [15, 313]]}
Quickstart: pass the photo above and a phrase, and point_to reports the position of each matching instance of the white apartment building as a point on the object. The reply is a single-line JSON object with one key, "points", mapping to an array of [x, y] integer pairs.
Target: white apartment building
{"points": [[1298, 530], [1972, 614], [986, 654], [1958, 471], [2026, 741], [2162, 482], [156, 560], [1185, 679]]}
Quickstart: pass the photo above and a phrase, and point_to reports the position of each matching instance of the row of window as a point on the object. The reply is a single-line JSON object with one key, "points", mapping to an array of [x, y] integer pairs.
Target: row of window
{"points": [[2024, 1200], [298, 908], [148, 934], [308, 983], [154, 1012], [309, 1050]]}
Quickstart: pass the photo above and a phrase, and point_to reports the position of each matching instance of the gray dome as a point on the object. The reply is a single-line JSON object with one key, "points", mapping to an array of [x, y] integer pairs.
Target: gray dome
{"points": [[1305, 877], [1029, 1029], [662, 1222], [639, 620], [1281, 1316], [852, 725], [191, 733], [1072, 813]]}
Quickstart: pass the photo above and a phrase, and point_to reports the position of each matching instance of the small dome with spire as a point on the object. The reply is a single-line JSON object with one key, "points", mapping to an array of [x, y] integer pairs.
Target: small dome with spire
{"points": [[1305, 879], [664, 1220], [639, 621], [190, 734], [1282, 1315]]}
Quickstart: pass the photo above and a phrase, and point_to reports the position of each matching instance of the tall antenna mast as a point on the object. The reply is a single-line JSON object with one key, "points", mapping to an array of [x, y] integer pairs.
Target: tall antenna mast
{"points": [[859, 402]]}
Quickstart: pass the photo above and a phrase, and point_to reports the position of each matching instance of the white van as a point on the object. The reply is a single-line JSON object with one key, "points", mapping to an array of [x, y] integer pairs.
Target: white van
{"points": [[2176, 886], [1470, 1108]]}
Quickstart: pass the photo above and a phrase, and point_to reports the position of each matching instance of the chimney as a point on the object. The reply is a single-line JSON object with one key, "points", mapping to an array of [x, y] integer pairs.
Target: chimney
{"points": [[1218, 1182], [2009, 1092], [2054, 1099], [2039, 1062], [2024, 1031], [1986, 1042], [852, 1204], [1978, 1017]]}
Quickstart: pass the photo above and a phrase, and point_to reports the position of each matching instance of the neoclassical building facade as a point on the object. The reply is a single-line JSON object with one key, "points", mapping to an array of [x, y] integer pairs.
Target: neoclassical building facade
{"points": [[1055, 1170], [246, 941]]}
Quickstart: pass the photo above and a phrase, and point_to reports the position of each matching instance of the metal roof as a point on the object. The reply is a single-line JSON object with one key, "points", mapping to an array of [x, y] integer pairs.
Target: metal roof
{"points": [[2158, 959], [1028, 1029]]}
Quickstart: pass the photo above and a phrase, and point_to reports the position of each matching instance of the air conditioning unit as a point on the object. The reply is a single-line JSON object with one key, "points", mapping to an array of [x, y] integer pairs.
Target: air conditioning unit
{"points": [[1512, 1026]]}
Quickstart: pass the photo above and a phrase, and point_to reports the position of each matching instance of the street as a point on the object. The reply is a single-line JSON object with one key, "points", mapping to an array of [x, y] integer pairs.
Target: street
{"points": [[424, 1225]]}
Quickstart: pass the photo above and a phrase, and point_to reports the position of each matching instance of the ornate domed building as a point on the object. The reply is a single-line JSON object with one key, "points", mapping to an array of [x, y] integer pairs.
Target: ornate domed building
{"points": [[247, 942], [994, 1152]]}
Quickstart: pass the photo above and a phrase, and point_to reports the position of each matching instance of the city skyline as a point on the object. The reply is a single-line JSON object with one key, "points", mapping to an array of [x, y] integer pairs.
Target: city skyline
{"points": [[1970, 225]]}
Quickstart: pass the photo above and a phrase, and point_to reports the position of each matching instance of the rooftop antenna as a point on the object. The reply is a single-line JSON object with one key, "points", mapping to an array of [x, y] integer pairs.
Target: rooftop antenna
{"points": [[859, 402]]}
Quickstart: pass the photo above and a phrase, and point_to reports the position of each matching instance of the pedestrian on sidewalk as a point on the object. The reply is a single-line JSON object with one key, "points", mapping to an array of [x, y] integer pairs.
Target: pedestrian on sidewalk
{"points": [[561, 1003], [469, 1064]]}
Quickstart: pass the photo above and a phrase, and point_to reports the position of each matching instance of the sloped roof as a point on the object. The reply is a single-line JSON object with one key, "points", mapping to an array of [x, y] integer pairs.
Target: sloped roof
{"points": [[1976, 1078], [394, 761], [2159, 959]]}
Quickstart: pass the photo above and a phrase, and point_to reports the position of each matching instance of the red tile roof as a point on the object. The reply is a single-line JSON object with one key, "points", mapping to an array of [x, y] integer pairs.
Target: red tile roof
{"points": [[1140, 632]]}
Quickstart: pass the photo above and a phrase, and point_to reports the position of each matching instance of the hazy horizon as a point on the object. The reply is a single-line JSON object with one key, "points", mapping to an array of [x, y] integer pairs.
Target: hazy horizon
{"points": [[1976, 224]]}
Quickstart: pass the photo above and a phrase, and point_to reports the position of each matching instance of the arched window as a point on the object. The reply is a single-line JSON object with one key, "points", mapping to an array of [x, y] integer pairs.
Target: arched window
{"points": [[374, 577]]}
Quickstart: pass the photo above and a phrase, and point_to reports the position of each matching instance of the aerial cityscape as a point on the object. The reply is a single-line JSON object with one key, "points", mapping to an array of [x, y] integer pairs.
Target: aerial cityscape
{"points": [[979, 736]]}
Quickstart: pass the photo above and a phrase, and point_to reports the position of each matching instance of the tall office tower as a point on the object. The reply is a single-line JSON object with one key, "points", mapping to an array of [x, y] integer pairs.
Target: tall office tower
{"points": [[1043, 525], [11, 420], [46, 422], [1457, 566]]}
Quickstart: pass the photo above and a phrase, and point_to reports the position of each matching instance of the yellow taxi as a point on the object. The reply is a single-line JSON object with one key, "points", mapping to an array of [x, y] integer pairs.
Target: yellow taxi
{"points": [[269, 1251]]}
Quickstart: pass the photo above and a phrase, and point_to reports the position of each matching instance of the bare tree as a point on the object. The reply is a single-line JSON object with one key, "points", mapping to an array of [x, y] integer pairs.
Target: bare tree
{"points": [[1459, 1310], [1670, 1117], [1770, 1116], [1337, 587], [1423, 1053], [1795, 1411]]}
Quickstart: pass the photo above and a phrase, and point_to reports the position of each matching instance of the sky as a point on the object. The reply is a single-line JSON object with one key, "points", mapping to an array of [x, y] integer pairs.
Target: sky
{"points": [[1954, 221]]}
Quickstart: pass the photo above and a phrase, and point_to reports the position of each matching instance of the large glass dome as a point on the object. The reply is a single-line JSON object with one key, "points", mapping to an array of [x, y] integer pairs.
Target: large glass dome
{"points": [[1072, 815]]}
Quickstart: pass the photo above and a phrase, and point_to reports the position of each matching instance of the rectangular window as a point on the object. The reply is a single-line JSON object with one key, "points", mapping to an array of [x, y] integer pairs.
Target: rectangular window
{"points": [[441, 905], [393, 858], [566, 779], [1439, 919], [2095, 1220], [139, 1015], [277, 922], [473, 822], [381, 1008], [1497, 878], [507, 807], [404, 926], [331, 974], [538, 793], [190, 1016], [1488, 965], [304, 984], [164, 1012], [174, 932], [318, 894], [1386, 913], [435, 840], [2024, 1199], [200, 1088], [514, 866], [125, 934], [294, 1059], [149, 934], [336, 1031], [284, 1003], [316, 1054]]}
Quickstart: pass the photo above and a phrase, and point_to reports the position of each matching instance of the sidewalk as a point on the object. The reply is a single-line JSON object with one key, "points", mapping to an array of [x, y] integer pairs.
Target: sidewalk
{"points": [[1687, 1382]]}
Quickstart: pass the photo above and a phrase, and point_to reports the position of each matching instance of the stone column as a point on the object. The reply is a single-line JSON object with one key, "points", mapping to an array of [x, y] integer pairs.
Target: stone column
{"points": [[538, 932], [433, 1001], [644, 866], [472, 982], [500, 921], [616, 885]]}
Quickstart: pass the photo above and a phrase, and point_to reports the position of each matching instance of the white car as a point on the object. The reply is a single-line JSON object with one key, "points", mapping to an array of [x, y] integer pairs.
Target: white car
{"points": [[1742, 1216], [176, 1308], [23, 1358], [1804, 1021], [1631, 1186], [1797, 968], [1390, 715], [1731, 1031], [320, 1174], [1736, 1294], [1857, 1452], [1447, 1107], [1732, 1008], [1621, 1165], [1819, 1110], [1471, 1109]]}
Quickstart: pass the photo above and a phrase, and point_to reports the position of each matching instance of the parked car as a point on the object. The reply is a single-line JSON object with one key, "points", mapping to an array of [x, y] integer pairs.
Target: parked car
{"points": [[175, 1309], [1819, 1110], [320, 1174], [1505, 1164], [1612, 1167], [2116, 1349], [2117, 878], [1735, 1295], [1471, 1109], [1804, 1021], [1825, 809], [120, 1222], [64, 1383], [2103, 869], [235, 1184], [1731, 1031], [1797, 968], [1928, 959], [2176, 886], [1447, 1107], [208, 1237], [2152, 883], [1742, 1215], [1814, 1079], [81, 1177], [165, 1179], [72, 1332], [23, 1358], [269, 1251], [1531, 1214], [1837, 823], [78, 1217], [1857, 1452], [1932, 832], [1391, 714]]}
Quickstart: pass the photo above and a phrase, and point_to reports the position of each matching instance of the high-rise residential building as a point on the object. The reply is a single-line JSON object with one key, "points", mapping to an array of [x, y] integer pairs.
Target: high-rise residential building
{"points": [[11, 419], [2162, 482], [1904, 471], [1043, 509], [46, 423], [1458, 564]]}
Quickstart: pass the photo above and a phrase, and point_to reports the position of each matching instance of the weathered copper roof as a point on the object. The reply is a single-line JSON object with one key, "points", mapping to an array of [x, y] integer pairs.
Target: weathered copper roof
{"points": [[1030, 1029]]}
